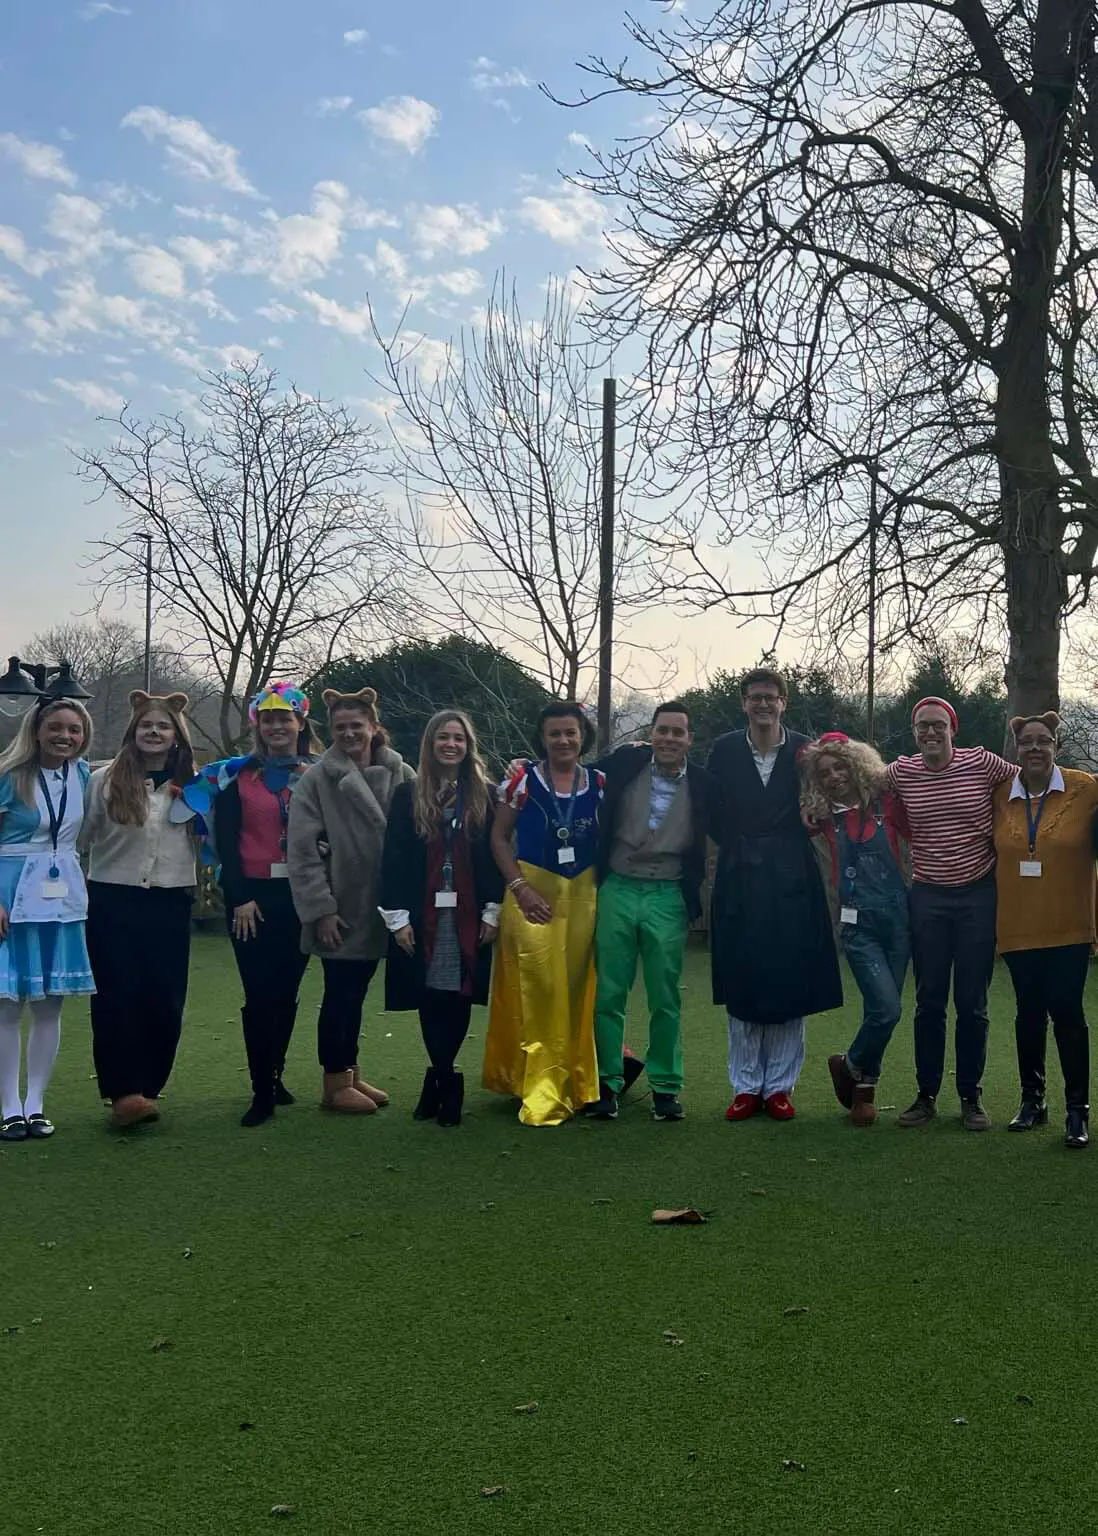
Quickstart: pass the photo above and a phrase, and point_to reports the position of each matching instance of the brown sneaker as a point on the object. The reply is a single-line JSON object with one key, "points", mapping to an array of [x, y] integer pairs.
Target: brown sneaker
{"points": [[973, 1116], [843, 1080], [863, 1110], [923, 1110]]}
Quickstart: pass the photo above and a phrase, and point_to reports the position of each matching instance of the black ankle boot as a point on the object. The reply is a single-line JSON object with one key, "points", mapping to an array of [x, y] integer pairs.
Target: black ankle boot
{"points": [[1076, 1128], [452, 1090], [429, 1101], [283, 1096], [261, 1109], [1031, 1112]]}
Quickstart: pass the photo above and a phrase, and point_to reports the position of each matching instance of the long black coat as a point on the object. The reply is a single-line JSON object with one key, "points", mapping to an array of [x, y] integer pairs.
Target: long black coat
{"points": [[404, 886], [621, 768], [773, 947]]}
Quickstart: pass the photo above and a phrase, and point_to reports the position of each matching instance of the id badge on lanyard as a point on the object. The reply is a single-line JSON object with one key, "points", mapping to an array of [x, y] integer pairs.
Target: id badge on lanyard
{"points": [[54, 888], [566, 853], [448, 897], [1030, 869]]}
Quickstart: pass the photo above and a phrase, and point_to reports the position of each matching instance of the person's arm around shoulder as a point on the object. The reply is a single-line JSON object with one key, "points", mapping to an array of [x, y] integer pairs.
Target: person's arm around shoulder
{"points": [[395, 895], [95, 810], [997, 768]]}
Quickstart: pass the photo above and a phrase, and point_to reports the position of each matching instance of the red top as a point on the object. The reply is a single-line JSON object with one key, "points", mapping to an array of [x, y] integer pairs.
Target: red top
{"points": [[950, 813], [260, 826]]}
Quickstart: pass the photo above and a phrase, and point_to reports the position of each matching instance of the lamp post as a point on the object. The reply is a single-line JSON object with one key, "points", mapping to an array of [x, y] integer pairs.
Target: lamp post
{"points": [[148, 607], [26, 683]]}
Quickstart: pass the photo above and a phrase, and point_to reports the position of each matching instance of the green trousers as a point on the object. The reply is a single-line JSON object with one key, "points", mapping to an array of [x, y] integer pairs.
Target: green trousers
{"points": [[645, 919]]}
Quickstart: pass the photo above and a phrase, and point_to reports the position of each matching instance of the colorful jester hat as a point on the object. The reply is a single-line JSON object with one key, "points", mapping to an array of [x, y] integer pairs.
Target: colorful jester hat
{"points": [[278, 696]]}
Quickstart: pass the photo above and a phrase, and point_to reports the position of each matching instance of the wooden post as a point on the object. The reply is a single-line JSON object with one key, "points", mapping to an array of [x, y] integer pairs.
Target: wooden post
{"points": [[871, 668], [606, 561]]}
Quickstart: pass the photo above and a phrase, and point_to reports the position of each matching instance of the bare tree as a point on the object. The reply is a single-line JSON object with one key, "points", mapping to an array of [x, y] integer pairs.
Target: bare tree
{"points": [[498, 451], [863, 242], [265, 537]]}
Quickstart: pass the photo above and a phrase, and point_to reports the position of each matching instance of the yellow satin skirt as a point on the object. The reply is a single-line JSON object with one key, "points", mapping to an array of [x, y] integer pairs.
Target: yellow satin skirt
{"points": [[541, 1022]]}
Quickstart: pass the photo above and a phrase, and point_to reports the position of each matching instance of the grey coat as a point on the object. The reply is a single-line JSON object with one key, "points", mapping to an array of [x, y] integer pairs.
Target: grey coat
{"points": [[334, 842]]}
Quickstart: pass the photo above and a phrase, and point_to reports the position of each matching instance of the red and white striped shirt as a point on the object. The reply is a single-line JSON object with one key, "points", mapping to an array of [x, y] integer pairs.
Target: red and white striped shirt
{"points": [[950, 813]]}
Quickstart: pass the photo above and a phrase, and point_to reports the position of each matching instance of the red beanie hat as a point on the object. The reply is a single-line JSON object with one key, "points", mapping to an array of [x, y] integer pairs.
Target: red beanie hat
{"points": [[942, 704], [828, 736]]}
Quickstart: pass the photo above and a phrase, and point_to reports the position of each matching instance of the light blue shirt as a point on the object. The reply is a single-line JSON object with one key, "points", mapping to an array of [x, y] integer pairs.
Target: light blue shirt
{"points": [[660, 796]]}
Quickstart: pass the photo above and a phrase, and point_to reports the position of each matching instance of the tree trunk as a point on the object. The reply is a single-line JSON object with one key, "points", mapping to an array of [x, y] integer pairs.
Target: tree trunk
{"points": [[1035, 595]]}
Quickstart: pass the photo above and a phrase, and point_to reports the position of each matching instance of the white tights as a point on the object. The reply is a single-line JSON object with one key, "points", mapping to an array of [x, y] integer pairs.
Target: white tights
{"points": [[43, 1040]]}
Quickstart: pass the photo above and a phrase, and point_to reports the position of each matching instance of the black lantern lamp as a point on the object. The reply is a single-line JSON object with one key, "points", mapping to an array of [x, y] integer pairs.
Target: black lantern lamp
{"points": [[24, 685]]}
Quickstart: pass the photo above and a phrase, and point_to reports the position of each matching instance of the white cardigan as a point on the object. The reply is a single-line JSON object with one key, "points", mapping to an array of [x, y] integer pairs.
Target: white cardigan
{"points": [[160, 854]]}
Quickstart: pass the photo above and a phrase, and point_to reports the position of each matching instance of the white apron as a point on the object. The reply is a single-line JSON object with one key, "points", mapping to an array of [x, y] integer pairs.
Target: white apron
{"points": [[29, 905]]}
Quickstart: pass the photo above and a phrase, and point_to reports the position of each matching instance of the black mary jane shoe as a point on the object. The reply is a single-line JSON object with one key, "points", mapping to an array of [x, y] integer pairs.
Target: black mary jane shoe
{"points": [[1076, 1132], [1030, 1113], [14, 1128], [38, 1127]]}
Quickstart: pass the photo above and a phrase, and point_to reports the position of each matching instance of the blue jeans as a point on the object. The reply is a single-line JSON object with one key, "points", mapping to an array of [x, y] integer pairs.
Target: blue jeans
{"points": [[877, 949]]}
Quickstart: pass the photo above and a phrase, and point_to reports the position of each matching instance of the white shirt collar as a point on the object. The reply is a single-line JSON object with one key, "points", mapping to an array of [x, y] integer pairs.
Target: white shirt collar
{"points": [[670, 777], [758, 751], [1056, 782]]}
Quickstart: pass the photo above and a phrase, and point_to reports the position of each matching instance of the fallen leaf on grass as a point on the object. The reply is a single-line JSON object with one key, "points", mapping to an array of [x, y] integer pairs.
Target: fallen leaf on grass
{"points": [[794, 1311], [489, 1205], [686, 1216], [756, 1191], [36, 1322], [188, 1253], [671, 1337], [1023, 1397], [47, 1245], [691, 1455], [352, 1235], [884, 1108], [282, 1509], [960, 1419], [158, 1346], [9, 1333], [245, 1425], [525, 1408], [492, 1493], [789, 1465], [606, 1200]]}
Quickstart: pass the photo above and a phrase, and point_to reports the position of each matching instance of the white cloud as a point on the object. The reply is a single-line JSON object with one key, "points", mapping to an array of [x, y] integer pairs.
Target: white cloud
{"points": [[192, 149], [570, 216], [461, 231], [82, 308], [403, 120], [205, 256], [43, 161], [158, 271], [36, 397], [78, 223], [237, 356], [352, 322], [11, 296], [278, 313], [97, 8], [308, 243], [462, 281], [356, 37], [329, 106], [94, 397], [13, 245], [580, 140], [488, 76]]}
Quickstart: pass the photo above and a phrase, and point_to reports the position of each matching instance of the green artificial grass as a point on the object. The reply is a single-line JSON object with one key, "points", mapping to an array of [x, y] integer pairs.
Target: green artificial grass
{"points": [[348, 1313]]}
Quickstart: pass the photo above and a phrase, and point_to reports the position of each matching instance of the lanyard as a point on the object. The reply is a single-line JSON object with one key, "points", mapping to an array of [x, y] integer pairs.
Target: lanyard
{"points": [[451, 826], [57, 818], [283, 798], [563, 824], [1034, 822]]}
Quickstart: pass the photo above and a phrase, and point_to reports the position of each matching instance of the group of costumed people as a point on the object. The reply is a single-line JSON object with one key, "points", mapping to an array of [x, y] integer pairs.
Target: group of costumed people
{"points": [[571, 875]]}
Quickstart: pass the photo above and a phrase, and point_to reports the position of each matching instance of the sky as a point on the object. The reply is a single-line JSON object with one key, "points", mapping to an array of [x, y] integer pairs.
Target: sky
{"points": [[187, 182]]}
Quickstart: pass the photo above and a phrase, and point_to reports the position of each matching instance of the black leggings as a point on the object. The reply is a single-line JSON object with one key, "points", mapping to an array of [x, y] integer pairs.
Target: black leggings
{"points": [[444, 1022], [1049, 983], [346, 983], [271, 967]]}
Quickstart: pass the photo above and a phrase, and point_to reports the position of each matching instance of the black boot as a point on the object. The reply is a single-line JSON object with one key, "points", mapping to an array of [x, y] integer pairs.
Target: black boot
{"points": [[429, 1100], [1031, 1112], [1076, 1128], [452, 1092], [261, 1108], [282, 1093]]}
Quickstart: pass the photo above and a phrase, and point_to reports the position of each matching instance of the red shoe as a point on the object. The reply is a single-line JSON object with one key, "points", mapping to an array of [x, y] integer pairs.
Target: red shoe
{"points": [[743, 1106], [779, 1106]]}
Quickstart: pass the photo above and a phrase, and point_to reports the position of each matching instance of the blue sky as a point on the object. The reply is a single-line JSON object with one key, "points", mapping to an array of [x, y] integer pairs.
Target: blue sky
{"points": [[185, 181]]}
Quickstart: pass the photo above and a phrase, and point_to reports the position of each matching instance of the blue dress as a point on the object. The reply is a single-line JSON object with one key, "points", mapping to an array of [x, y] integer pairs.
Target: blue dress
{"points": [[44, 955]]}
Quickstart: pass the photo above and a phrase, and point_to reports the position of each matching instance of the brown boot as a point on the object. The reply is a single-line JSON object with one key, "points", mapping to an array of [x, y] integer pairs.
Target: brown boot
{"points": [[340, 1095], [379, 1096], [863, 1111], [132, 1109]]}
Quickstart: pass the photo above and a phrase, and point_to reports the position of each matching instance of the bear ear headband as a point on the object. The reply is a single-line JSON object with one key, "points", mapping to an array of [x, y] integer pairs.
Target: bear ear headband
{"points": [[364, 696], [1049, 719], [139, 699]]}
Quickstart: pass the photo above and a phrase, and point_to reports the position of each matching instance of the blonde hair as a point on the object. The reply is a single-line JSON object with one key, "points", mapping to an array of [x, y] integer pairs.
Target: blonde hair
{"points": [[472, 776], [866, 767], [127, 803], [22, 760]]}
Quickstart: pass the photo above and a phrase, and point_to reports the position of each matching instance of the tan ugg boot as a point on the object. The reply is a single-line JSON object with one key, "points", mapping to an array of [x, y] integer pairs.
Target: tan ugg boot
{"points": [[379, 1096], [863, 1111], [340, 1095], [132, 1109]]}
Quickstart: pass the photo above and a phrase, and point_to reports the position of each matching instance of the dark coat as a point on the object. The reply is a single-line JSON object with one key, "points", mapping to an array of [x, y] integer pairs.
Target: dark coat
{"points": [[404, 886], [621, 768], [773, 949]]}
